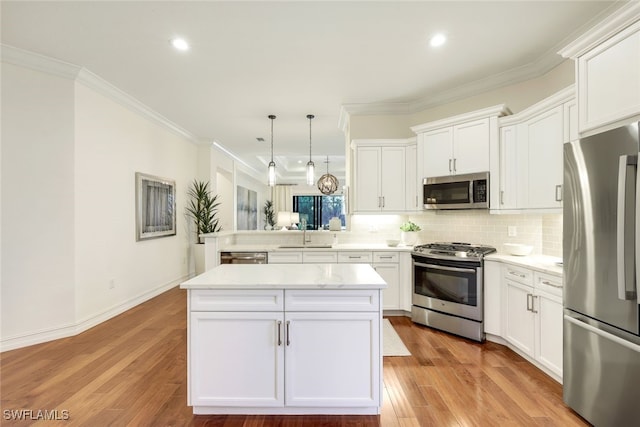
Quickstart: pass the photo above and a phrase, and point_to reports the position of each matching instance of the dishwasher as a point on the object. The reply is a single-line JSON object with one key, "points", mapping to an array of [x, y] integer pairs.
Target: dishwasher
{"points": [[243, 257]]}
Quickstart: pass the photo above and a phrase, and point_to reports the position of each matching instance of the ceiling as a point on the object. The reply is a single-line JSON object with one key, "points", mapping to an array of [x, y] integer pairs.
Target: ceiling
{"points": [[251, 59]]}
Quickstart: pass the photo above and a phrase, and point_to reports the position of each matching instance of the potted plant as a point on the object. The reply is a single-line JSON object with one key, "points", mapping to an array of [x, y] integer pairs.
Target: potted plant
{"points": [[409, 235], [269, 215], [203, 208]]}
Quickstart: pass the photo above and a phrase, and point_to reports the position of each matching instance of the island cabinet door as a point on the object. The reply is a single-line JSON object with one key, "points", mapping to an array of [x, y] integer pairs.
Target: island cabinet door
{"points": [[332, 359], [236, 359]]}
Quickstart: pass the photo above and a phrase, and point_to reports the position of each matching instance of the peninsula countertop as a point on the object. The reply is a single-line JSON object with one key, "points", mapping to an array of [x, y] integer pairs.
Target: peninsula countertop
{"points": [[288, 276]]}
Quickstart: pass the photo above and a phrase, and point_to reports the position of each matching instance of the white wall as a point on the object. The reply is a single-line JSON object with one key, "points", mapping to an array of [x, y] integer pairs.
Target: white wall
{"points": [[37, 204], [112, 144], [69, 157]]}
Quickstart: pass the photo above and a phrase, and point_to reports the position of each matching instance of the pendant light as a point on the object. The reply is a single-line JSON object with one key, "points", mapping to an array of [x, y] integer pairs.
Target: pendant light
{"points": [[310, 166], [272, 164], [327, 184]]}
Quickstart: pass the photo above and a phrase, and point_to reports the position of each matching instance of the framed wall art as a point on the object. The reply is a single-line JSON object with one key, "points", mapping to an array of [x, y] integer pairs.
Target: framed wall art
{"points": [[155, 207], [247, 212]]}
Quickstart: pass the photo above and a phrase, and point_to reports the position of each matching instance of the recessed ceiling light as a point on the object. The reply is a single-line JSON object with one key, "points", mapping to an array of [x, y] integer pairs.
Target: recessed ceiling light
{"points": [[180, 44], [438, 40]]}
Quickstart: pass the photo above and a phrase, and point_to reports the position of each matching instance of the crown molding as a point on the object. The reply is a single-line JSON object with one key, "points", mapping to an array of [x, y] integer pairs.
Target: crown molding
{"points": [[604, 29], [558, 98], [98, 84], [56, 67], [494, 111], [529, 71], [38, 62]]}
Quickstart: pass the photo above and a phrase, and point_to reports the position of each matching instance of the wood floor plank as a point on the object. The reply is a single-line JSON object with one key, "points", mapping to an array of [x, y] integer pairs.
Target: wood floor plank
{"points": [[131, 371]]}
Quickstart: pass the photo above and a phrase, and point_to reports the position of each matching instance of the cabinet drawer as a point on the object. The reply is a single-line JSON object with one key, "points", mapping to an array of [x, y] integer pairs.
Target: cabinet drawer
{"points": [[548, 283], [285, 257], [236, 300], [355, 257], [520, 275], [319, 257], [385, 257], [332, 300]]}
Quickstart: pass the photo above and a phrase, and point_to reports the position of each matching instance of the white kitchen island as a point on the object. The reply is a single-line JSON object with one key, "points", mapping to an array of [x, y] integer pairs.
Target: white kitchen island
{"points": [[285, 339]]}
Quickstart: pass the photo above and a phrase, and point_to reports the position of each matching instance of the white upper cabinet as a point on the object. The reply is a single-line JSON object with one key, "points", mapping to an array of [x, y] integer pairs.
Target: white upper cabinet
{"points": [[412, 195], [508, 175], [467, 143], [544, 148], [471, 147], [458, 149], [437, 152], [380, 175], [531, 155], [607, 69]]}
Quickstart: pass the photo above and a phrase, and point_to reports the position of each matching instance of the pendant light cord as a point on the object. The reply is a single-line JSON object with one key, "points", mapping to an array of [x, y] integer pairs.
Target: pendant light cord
{"points": [[272, 117]]}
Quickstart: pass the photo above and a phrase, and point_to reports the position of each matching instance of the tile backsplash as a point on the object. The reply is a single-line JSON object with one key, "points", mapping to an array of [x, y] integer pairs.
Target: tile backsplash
{"points": [[542, 231]]}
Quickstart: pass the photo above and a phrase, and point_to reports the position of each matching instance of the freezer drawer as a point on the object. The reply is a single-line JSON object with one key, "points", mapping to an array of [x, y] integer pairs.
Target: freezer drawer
{"points": [[601, 373]]}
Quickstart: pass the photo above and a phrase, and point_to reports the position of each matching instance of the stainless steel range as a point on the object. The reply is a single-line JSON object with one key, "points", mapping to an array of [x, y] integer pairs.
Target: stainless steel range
{"points": [[448, 287]]}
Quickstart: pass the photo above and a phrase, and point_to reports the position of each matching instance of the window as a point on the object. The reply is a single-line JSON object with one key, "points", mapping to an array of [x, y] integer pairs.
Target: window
{"points": [[318, 210]]}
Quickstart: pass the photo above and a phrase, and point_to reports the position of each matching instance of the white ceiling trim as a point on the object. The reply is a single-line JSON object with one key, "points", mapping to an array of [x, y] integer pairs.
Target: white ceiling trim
{"points": [[604, 29], [55, 67], [105, 88], [526, 72], [38, 62]]}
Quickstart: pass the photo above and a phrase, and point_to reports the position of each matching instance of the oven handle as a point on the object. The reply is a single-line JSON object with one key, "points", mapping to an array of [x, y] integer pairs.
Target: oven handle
{"points": [[442, 267]]}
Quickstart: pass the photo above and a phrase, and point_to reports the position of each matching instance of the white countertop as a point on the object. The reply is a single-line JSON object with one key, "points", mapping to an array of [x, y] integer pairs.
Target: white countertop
{"points": [[337, 247], [288, 276], [543, 263]]}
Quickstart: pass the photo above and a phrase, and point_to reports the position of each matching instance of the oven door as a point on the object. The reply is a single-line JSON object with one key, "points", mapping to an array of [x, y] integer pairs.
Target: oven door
{"points": [[452, 287]]}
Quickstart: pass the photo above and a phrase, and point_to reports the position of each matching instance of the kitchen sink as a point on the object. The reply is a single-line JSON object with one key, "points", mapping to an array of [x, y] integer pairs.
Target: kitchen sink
{"points": [[326, 246]]}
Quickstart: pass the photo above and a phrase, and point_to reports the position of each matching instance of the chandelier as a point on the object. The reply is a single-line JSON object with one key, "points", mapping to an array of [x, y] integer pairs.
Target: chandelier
{"points": [[327, 184]]}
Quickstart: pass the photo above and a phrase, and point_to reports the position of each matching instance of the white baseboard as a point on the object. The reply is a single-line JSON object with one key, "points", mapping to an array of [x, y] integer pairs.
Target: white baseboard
{"points": [[45, 335]]}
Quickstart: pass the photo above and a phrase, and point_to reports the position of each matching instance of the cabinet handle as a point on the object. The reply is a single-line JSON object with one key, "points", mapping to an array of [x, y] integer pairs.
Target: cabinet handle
{"points": [[502, 197], [288, 333], [513, 273], [533, 301], [416, 201], [454, 165], [449, 165], [385, 257], [279, 333], [529, 302], [383, 201], [546, 282], [558, 193]]}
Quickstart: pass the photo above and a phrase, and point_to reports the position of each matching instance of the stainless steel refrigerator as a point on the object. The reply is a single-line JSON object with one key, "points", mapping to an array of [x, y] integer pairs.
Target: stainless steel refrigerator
{"points": [[601, 247]]}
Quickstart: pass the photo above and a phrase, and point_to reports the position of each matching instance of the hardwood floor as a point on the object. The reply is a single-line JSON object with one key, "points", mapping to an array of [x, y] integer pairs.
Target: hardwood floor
{"points": [[131, 370]]}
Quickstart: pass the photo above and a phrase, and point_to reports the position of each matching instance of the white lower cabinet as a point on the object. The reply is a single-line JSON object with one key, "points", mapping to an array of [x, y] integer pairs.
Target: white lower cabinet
{"points": [[520, 321], [386, 264], [322, 349], [533, 316], [236, 360], [331, 359]]}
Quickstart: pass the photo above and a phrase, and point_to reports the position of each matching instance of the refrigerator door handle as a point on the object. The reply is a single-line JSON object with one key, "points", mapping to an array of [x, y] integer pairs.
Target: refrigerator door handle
{"points": [[624, 293], [637, 224], [603, 334]]}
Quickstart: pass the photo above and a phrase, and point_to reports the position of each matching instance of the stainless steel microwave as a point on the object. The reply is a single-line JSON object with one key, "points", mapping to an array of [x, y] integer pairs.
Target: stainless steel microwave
{"points": [[469, 191]]}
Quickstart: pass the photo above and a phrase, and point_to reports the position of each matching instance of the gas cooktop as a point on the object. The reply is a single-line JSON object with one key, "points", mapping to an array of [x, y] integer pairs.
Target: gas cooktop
{"points": [[454, 250]]}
